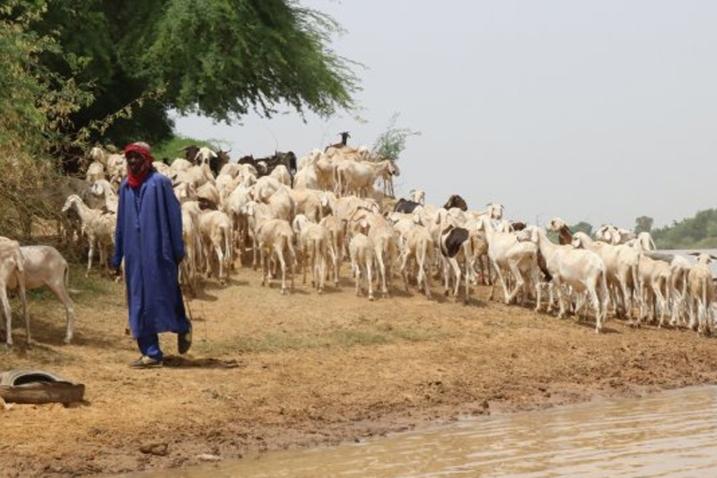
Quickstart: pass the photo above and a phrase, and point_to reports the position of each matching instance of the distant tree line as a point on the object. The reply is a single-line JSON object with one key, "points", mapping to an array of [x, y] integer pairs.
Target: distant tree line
{"points": [[698, 232]]}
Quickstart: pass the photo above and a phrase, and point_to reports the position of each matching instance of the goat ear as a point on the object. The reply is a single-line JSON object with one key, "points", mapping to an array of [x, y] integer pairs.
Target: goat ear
{"points": [[693, 254], [713, 257]]}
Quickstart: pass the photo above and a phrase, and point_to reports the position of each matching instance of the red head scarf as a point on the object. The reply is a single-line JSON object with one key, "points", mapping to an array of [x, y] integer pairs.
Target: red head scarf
{"points": [[135, 180]]}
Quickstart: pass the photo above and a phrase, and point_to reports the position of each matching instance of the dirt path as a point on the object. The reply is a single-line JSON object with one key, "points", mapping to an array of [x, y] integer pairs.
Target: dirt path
{"points": [[312, 370]]}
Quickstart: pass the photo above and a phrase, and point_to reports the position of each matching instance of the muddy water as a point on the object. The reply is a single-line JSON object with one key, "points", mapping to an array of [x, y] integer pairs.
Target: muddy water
{"points": [[667, 434]]}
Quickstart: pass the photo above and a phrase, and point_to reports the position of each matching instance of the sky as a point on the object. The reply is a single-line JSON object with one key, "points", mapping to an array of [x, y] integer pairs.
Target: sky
{"points": [[597, 111]]}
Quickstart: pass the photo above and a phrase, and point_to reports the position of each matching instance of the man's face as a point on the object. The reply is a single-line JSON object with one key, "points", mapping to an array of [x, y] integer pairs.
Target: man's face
{"points": [[135, 162]]}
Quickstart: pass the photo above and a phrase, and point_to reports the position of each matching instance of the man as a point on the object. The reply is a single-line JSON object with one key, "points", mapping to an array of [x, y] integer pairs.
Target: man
{"points": [[149, 238]]}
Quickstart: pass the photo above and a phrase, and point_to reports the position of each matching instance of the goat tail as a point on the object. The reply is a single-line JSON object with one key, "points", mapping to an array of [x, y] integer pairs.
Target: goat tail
{"points": [[424, 251], [603, 296], [229, 244], [636, 284], [20, 259], [289, 246], [318, 255], [66, 277], [337, 180]]}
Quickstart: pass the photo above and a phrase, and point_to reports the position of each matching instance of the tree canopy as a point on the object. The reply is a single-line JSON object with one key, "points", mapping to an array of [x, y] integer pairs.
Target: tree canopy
{"points": [[643, 224], [84, 71], [220, 58], [696, 232], [582, 226]]}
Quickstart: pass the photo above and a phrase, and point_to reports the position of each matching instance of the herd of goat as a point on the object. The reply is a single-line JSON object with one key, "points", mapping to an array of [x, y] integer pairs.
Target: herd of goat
{"points": [[308, 216]]}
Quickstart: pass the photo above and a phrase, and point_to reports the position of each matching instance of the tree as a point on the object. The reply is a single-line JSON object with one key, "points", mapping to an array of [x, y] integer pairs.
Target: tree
{"points": [[695, 232], [643, 224], [34, 106], [221, 58], [582, 226], [392, 141]]}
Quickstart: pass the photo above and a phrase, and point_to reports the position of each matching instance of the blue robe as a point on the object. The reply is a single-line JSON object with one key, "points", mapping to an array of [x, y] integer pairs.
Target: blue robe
{"points": [[149, 237]]}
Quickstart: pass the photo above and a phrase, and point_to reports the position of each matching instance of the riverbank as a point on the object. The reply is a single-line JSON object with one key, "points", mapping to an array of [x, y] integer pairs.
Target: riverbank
{"points": [[270, 372]]}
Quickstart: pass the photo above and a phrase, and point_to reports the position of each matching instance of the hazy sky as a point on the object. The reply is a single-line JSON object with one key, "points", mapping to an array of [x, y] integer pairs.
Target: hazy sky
{"points": [[591, 110]]}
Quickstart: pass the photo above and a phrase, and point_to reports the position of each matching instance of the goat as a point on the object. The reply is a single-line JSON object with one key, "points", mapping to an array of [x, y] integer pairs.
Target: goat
{"points": [[417, 195], [316, 249], [505, 253], [455, 240], [99, 228], [358, 177], [344, 141], [216, 232], [337, 232], [456, 201], [362, 254], [582, 270], [565, 235], [12, 272], [45, 266], [622, 263], [406, 206], [275, 238], [418, 246], [701, 293]]}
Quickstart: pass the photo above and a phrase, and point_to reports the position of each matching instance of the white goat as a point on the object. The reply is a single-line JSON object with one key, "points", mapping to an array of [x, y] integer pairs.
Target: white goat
{"points": [[337, 232], [505, 254], [275, 238], [701, 293], [12, 272], [216, 232], [45, 266], [622, 263], [582, 270], [95, 172], [418, 246], [358, 177], [362, 254], [99, 228], [417, 195], [281, 174], [316, 249], [105, 193]]}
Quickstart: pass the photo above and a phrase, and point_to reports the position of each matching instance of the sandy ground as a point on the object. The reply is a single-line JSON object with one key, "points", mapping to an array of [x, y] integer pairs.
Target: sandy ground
{"points": [[312, 370]]}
